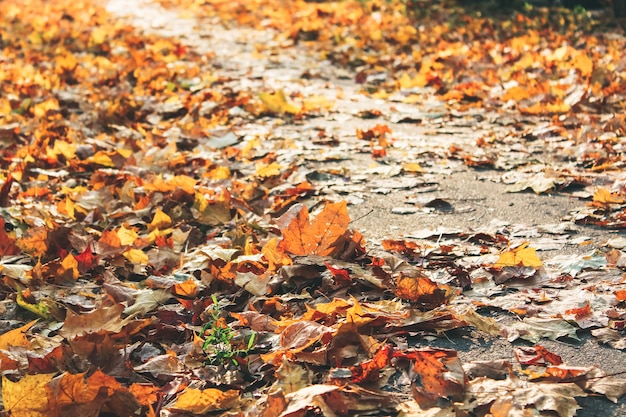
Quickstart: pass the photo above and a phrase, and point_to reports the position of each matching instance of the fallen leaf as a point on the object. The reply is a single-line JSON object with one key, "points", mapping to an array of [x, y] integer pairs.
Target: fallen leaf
{"points": [[27, 397], [439, 376], [277, 103], [422, 291], [200, 402], [301, 236], [7, 243], [519, 256]]}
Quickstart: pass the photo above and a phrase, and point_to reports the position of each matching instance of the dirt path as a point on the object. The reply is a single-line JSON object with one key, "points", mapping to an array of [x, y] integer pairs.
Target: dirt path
{"points": [[442, 203]]}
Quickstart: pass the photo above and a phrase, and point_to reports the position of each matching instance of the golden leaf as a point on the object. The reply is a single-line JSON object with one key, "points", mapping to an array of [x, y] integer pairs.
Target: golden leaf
{"points": [[127, 236], [198, 401], [16, 337], [520, 256], [277, 103], [604, 196], [136, 256], [27, 397], [160, 220]]}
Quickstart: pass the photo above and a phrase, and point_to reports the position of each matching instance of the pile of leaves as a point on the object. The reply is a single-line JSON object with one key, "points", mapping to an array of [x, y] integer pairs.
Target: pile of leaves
{"points": [[152, 261]]}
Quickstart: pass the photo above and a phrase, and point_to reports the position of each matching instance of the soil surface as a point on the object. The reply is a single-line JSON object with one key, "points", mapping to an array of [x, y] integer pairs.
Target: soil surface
{"points": [[445, 200]]}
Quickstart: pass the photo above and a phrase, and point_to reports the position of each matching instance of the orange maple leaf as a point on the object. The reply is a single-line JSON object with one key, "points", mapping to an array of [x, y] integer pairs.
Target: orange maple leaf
{"points": [[422, 291], [301, 236]]}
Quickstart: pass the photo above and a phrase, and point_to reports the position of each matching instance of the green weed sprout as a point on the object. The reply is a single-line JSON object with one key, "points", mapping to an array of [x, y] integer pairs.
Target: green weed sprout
{"points": [[219, 337]]}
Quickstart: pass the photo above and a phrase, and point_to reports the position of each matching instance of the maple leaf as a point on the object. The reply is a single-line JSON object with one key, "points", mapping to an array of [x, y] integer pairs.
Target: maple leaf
{"points": [[27, 397], [369, 369], [422, 291], [72, 395], [199, 402], [106, 319], [16, 337], [604, 197], [34, 241], [519, 256], [301, 236]]}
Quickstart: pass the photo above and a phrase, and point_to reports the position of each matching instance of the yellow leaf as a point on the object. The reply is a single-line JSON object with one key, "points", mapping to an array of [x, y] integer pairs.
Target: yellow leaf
{"points": [[197, 401], [136, 256], [41, 309], [68, 150], [184, 182], [27, 397], [98, 36], [219, 173], [70, 263], [125, 153], [16, 337], [101, 158], [42, 108], [604, 196], [160, 220], [413, 167], [151, 238], [584, 64], [277, 103], [520, 256], [127, 236], [270, 170], [274, 256]]}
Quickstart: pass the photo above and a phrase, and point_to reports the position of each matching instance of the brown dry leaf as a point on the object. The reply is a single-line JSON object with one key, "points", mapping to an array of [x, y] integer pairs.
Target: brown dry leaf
{"points": [[7, 243], [307, 399], [34, 242], [537, 355], [304, 237], [107, 319], [302, 334], [513, 397], [72, 396], [422, 291], [28, 397], [291, 377], [199, 402], [610, 386]]}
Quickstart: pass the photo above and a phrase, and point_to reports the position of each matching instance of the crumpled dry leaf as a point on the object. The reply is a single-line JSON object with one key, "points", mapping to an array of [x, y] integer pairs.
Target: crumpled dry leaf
{"points": [[516, 398]]}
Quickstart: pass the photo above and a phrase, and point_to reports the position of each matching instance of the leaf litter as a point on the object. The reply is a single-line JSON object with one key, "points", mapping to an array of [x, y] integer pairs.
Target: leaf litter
{"points": [[149, 189]]}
